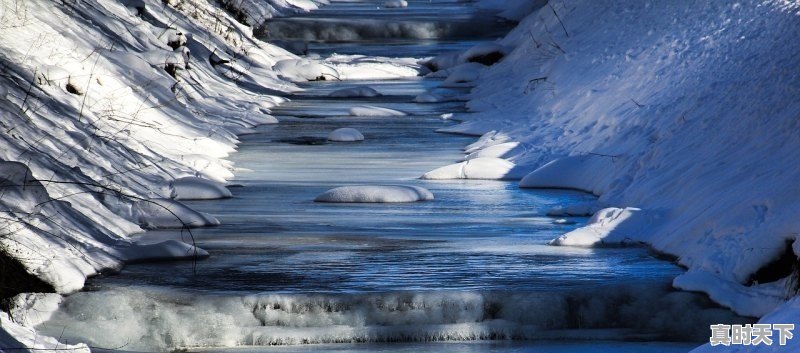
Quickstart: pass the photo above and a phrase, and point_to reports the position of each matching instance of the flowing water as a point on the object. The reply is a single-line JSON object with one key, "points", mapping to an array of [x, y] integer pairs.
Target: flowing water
{"points": [[467, 272]]}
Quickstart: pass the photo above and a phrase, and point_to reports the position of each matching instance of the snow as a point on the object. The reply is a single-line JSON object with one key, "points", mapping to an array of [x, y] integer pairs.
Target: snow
{"points": [[166, 213], [463, 75], [482, 50], [391, 4], [194, 188], [305, 70], [590, 173], [345, 134], [687, 121], [360, 91], [609, 226], [369, 110], [16, 337], [506, 150], [376, 193], [478, 168]]}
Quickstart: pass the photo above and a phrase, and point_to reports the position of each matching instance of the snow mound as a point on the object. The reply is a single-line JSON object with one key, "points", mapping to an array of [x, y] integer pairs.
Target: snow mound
{"points": [[484, 53], [487, 139], [582, 209], [590, 173], [362, 91], [345, 134], [506, 150], [165, 250], [304, 70], [376, 194], [393, 4], [194, 188], [609, 226], [368, 110], [478, 168], [463, 75], [166, 213]]}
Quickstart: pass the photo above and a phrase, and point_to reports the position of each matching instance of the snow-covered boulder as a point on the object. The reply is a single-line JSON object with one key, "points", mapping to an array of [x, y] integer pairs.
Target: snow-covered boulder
{"points": [[393, 4], [368, 110], [478, 168], [304, 70], [194, 188], [590, 173], [345, 134], [167, 213], [376, 194], [361, 91], [609, 226]]}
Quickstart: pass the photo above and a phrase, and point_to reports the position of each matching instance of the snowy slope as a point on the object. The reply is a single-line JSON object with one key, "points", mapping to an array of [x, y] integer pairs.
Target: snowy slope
{"points": [[108, 107], [686, 112]]}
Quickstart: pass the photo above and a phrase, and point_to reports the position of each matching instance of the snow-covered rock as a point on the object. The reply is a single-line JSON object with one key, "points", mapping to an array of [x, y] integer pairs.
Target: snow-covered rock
{"points": [[360, 91], [167, 213], [368, 110], [194, 188], [478, 168], [345, 134], [610, 226], [376, 194]]}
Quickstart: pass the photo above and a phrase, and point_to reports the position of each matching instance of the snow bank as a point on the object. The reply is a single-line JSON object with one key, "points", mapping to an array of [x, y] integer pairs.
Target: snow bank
{"points": [[360, 91], [345, 134], [698, 123], [166, 213], [369, 110], [376, 193], [478, 168], [194, 188], [114, 124], [19, 338]]}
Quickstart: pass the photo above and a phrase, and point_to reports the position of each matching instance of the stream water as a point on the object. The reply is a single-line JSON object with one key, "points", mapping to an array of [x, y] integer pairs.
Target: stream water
{"points": [[467, 272]]}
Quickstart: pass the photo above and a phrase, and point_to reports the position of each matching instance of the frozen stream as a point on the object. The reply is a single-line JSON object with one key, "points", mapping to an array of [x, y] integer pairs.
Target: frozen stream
{"points": [[467, 272]]}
